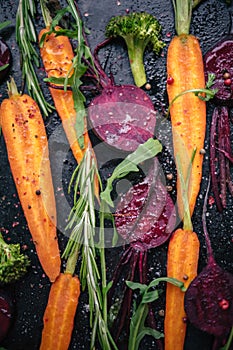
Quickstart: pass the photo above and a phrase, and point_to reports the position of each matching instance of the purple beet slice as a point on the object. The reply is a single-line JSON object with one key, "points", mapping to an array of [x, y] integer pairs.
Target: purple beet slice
{"points": [[209, 297], [5, 58], [123, 116], [219, 61], [6, 314], [145, 217], [209, 300]]}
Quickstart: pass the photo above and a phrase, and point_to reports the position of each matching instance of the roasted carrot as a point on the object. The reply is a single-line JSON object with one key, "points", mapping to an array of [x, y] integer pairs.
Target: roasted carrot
{"points": [[182, 264], [60, 311], [26, 141], [185, 71], [183, 253], [57, 55]]}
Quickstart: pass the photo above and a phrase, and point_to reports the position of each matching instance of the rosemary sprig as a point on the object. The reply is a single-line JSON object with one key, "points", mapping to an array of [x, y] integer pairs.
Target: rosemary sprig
{"points": [[26, 37], [82, 223]]}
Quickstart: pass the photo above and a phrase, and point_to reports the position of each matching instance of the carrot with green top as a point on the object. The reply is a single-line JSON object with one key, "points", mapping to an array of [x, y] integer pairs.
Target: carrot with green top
{"points": [[58, 57], [182, 264], [185, 71]]}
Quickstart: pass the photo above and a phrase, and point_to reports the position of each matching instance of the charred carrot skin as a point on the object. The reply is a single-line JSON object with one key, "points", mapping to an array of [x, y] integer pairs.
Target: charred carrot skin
{"points": [[26, 142], [188, 112], [182, 263], [59, 313]]}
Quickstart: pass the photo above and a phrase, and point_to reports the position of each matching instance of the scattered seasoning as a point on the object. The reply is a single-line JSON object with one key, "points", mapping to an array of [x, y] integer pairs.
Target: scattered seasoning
{"points": [[170, 80], [224, 304], [226, 75], [161, 313], [148, 86], [227, 82], [38, 192], [170, 176]]}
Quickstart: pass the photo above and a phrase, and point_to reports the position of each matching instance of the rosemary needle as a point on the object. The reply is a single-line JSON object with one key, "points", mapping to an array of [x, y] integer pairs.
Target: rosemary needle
{"points": [[26, 37]]}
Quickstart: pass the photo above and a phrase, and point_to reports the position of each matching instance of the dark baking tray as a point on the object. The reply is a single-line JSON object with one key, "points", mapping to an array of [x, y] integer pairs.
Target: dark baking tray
{"points": [[210, 23]]}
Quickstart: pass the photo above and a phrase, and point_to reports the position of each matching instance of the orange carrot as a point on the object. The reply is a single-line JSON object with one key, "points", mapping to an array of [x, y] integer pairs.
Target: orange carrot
{"points": [[57, 55], [183, 253], [188, 116], [60, 311], [26, 142], [185, 71]]}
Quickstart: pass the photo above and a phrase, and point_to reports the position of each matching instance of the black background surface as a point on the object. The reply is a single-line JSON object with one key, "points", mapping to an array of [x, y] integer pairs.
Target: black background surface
{"points": [[210, 23]]}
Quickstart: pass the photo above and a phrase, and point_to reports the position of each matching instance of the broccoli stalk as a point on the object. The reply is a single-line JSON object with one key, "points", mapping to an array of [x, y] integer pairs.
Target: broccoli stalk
{"points": [[139, 30], [13, 264]]}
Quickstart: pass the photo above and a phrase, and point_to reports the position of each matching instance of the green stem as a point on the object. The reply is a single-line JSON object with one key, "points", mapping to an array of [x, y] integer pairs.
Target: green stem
{"points": [[229, 341], [209, 94], [183, 14], [71, 262], [187, 222], [2, 241], [12, 88], [103, 261], [136, 63], [45, 13], [133, 335]]}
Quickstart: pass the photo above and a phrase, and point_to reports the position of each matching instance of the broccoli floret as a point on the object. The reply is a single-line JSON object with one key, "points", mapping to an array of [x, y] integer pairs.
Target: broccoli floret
{"points": [[13, 264], [139, 30]]}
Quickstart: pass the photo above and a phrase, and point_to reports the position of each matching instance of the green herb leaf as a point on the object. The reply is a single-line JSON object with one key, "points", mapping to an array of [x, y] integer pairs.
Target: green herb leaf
{"points": [[149, 331], [4, 67], [205, 94], [135, 285], [137, 323], [149, 297], [4, 24], [145, 151]]}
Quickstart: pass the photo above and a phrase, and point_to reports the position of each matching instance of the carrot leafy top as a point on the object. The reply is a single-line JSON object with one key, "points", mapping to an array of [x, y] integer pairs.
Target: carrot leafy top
{"points": [[183, 14]]}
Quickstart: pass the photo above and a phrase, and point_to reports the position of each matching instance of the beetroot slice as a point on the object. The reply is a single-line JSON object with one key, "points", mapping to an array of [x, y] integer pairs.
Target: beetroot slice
{"points": [[209, 300], [145, 216], [6, 314], [209, 297], [123, 116], [5, 58], [219, 61]]}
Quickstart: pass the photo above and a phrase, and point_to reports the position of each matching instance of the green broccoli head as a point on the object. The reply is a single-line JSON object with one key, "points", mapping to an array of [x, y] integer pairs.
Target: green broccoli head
{"points": [[142, 26], [13, 264], [139, 30]]}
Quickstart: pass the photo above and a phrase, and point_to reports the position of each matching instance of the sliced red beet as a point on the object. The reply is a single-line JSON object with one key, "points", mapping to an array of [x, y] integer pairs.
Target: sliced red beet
{"points": [[146, 213], [145, 218], [123, 116], [209, 297], [219, 61], [209, 300], [6, 314], [5, 58]]}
